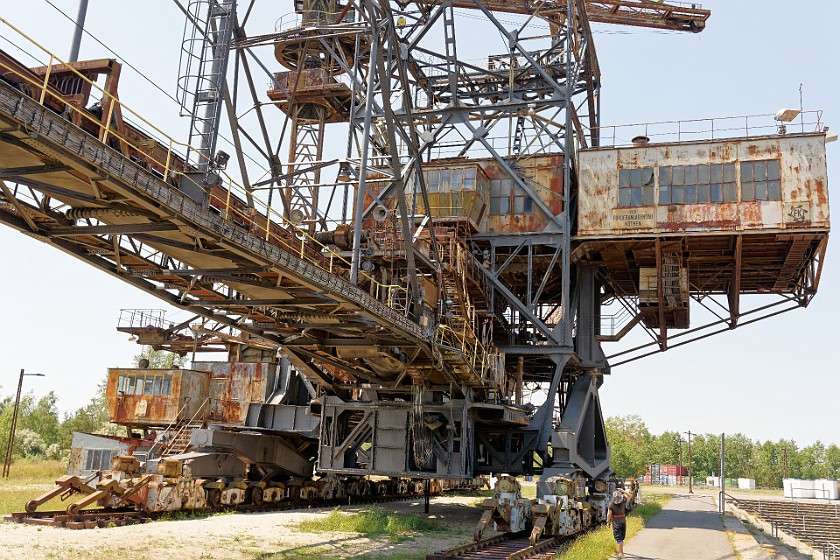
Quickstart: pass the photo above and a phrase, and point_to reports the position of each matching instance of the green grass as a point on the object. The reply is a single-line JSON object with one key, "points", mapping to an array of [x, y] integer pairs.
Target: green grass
{"points": [[41, 472], [28, 480], [373, 522], [599, 544], [396, 556], [301, 553]]}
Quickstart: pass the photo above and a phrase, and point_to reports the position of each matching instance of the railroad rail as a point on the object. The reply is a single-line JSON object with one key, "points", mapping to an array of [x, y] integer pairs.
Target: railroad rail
{"points": [[508, 546], [103, 518]]}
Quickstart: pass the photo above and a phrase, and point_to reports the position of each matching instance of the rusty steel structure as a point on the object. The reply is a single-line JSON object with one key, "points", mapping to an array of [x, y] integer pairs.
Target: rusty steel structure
{"points": [[474, 233]]}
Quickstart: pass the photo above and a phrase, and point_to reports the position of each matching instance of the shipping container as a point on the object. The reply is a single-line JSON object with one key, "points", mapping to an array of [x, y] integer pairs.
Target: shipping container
{"points": [[798, 488], [827, 489]]}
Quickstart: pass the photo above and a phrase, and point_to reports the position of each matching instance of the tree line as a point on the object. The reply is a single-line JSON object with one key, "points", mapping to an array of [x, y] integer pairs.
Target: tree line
{"points": [[42, 433], [633, 447]]}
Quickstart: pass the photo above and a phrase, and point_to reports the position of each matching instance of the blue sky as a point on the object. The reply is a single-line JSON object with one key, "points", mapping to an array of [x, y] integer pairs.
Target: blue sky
{"points": [[774, 379]]}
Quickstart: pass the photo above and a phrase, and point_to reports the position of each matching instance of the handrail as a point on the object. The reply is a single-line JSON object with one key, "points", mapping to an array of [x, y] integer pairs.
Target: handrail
{"points": [[830, 551], [714, 128], [190, 422], [262, 220], [171, 424]]}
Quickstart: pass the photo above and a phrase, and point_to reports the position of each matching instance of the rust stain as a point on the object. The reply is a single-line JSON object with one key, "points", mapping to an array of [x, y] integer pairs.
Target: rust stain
{"points": [[154, 397]]}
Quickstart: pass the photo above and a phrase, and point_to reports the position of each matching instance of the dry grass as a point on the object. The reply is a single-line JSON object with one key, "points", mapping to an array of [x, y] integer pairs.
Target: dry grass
{"points": [[28, 480], [41, 472], [372, 522]]}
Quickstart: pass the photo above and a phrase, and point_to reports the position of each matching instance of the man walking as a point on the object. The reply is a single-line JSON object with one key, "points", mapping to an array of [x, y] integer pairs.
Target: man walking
{"points": [[616, 517]]}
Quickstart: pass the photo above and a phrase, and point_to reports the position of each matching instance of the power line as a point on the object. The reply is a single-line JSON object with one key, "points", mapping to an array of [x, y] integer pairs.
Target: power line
{"points": [[110, 50], [24, 51], [145, 77]]}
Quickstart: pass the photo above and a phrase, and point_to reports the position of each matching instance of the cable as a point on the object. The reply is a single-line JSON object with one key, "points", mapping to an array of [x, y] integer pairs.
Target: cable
{"points": [[41, 62], [110, 50], [145, 77]]}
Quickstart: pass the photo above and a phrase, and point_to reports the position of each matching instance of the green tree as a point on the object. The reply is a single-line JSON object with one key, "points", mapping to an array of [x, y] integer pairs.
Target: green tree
{"points": [[93, 418], [705, 455], [767, 465], [41, 417], [665, 449], [832, 461], [739, 456], [38, 426], [159, 359], [630, 441], [812, 461]]}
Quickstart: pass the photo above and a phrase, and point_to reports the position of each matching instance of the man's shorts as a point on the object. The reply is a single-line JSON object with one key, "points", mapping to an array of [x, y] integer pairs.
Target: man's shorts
{"points": [[619, 527]]}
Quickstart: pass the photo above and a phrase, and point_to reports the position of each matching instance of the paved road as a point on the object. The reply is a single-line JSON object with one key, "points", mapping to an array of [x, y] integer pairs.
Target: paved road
{"points": [[689, 527]]}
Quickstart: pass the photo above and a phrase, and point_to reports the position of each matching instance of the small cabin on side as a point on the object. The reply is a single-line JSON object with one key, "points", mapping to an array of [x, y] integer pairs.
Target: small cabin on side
{"points": [[211, 392], [156, 397], [736, 185], [734, 216]]}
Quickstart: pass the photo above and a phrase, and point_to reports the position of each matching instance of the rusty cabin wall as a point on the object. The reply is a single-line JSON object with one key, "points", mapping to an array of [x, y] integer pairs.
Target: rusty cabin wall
{"points": [[234, 386], [544, 174], [160, 405], [804, 188]]}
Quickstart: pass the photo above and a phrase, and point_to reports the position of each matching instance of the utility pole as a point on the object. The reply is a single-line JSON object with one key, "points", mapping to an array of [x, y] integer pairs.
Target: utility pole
{"points": [[690, 487], [10, 444], [680, 442], [722, 499], [785, 465]]}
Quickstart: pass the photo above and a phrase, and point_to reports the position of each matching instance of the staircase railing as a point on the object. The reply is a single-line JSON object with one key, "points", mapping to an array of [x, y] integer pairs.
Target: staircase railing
{"points": [[189, 424], [167, 428]]}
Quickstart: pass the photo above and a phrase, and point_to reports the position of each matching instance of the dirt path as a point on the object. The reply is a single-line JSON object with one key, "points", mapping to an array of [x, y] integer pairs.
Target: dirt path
{"points": [[255, 536]]}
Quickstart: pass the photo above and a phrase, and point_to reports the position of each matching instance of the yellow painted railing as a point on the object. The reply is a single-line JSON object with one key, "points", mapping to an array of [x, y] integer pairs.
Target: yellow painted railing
{"points": [[263, 220]]}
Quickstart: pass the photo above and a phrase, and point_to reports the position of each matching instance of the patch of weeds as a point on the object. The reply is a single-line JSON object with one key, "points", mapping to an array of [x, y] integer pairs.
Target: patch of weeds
{"points": [[182, 514], [225, 511], [372, 522], [730, 535], [302, 553], [396, 556]]}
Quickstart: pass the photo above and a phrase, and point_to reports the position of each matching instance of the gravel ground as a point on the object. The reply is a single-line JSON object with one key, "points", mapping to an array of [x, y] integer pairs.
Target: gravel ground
{"points": [[254, 536]]}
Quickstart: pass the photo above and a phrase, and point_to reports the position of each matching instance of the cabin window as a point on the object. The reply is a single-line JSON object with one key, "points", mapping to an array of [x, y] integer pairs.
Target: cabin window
{"points": [[697, 184], [122, 383], [157, 385], [166, 387], [469, 179], [97, 460], [760, 180], [150, 380], [635, 187], [509, 198]]}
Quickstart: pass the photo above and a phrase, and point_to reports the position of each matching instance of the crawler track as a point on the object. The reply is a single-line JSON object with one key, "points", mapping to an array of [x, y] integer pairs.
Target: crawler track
{"points": [[504, 547], [93, 519]]}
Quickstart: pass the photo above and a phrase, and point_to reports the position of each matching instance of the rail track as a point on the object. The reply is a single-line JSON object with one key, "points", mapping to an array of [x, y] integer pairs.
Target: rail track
{"points": [[102, 518], [508, 546]]}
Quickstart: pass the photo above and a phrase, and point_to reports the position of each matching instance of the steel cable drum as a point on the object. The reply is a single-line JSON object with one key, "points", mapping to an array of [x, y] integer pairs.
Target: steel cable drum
{"points": [[421, 435]]}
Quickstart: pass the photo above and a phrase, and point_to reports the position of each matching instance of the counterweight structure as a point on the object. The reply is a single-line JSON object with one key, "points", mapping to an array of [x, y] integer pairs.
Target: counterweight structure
{"points": [[465, 243]]}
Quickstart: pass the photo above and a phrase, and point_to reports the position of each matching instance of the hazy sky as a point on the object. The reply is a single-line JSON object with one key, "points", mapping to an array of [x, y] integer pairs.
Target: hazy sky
{"points": [[778, 378]]}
